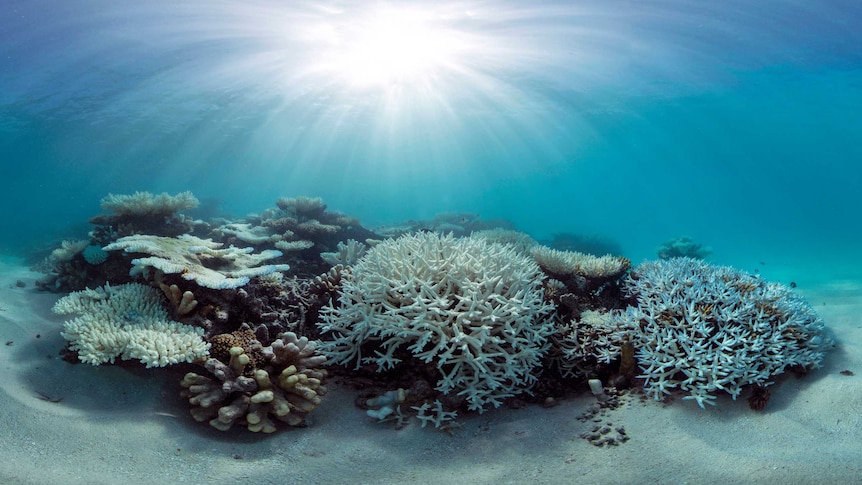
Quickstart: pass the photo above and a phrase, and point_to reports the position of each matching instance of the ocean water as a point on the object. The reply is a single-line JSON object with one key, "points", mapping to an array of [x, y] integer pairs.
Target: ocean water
{"points": [[735, 122]]}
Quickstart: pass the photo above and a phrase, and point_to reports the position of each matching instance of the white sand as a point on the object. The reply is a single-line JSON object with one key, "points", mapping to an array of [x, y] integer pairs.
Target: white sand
{"points": [[118, 426]]}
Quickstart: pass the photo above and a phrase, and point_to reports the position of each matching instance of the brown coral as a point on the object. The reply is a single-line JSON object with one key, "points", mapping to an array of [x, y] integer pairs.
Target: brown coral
{"points": [[244, 339]]}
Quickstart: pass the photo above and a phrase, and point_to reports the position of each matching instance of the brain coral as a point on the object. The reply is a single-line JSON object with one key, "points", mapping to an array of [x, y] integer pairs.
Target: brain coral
{"points": [[703, 328], [473, 308]]}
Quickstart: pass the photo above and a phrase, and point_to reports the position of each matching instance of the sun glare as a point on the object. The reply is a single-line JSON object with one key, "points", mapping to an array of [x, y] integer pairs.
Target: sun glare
{"points": [[393, 46]]}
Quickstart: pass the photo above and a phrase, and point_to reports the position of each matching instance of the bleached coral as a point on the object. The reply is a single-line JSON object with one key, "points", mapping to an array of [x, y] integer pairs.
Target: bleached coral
{"points": [[68, 249], [473, 309], [200, 260], [294, 245], [703, 328], [248, 233], [568, 263], [591, 340], [435, 414], [129, 322], [147, 204], [348, 254], [285, 386]]}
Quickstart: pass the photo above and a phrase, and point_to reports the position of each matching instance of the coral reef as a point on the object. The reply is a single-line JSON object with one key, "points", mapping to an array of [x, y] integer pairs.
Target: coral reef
{"points": [[682, 247], [128, 322], [284, 385], [702, 329], [200, 260], [471, 309]]}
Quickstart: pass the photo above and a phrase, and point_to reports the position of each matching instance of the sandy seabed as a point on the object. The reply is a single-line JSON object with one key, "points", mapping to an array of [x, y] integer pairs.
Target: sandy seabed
{"points": [[114, 425]]}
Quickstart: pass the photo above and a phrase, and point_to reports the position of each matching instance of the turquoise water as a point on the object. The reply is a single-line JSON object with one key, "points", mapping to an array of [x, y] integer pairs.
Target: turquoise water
{"points": [[732, 122]]}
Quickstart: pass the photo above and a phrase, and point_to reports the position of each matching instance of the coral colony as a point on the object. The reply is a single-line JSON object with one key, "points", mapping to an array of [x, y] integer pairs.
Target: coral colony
{"points": [[431, 319]]}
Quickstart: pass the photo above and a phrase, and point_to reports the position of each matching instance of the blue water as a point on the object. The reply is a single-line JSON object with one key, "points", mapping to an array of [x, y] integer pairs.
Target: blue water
{"points": [[734, 122]]}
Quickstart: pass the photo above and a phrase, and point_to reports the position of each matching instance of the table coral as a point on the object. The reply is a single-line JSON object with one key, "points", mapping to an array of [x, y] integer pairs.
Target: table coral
{"points": [[284, 387], [144, 213], [200, 260], [473, 310]]}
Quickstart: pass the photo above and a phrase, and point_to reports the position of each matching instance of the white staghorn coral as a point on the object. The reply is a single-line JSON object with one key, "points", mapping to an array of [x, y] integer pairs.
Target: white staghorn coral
{"points": [[472, 308], [702, 329], [592, 339], [129, 322], [200, 260]]}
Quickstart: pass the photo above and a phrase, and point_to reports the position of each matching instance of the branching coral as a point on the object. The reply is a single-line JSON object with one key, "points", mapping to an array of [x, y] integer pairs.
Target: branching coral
{"points": [[284, 387], [128, 322], [588, 342], [200, 260], [347, 254], [703, 328], [472, 309]]}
